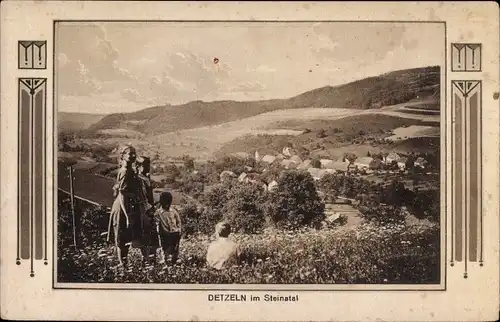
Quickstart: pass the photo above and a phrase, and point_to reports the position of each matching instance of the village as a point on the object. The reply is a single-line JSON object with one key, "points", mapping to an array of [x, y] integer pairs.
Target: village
{"points": [[177, 175]]}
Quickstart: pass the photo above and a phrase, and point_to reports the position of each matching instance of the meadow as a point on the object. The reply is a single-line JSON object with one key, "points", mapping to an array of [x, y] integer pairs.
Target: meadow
{"points": [[367, 254], [282, 236]]}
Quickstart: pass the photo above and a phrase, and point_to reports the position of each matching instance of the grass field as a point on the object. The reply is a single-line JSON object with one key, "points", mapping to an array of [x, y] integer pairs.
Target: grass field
{"points": [[366, 254], [415, 131]]}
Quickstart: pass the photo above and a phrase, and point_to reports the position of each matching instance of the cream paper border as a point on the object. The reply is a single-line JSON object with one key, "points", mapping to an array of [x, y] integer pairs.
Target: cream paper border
{"points": [[22, 297]]}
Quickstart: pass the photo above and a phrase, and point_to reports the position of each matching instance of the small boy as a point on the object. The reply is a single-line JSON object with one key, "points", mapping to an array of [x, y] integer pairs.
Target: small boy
{"points": [[168, 224], [222, 252]]}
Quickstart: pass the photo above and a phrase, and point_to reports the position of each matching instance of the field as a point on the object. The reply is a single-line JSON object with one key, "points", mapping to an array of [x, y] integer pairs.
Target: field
{"points": [[414, 131]]}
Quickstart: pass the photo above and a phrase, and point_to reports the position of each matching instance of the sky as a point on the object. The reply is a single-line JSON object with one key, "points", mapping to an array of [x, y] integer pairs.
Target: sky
{"points": [[117, 67]]}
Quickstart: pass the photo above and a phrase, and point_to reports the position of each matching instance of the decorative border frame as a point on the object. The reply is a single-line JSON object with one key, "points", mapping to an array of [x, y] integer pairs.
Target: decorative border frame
{"points": [[467, 218], [32, 214], [465, 46], [29, 60]]}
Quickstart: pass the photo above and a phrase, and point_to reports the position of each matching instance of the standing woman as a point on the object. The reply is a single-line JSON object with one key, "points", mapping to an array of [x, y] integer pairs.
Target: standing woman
{"points": [[125, 212], [149, 235]]}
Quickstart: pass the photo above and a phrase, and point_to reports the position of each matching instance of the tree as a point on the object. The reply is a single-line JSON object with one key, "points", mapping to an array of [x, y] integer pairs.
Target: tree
{"points": [[188, 162], [172, 173], [382, 215], [244, 208], [331, 185], [410, 162], [351, 157], [321, 134], [295, 202], [316, 163]]}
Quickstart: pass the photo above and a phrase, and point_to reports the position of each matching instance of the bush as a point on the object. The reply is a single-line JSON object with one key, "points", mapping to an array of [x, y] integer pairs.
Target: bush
{"points": [[191, 218], [316, 163], [382, 215], [233, 164], [244, 210], [192, 184], [330, 184], [90, 223], [321, 134], [188, 162], [295, 202], [171, 172]]}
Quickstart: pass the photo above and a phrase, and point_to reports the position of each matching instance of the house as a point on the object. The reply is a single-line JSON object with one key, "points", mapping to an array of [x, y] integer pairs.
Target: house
{"points": [[314, 172], [306, 164], [402, 163], [272, 185], [289, 164], [352, 167], [317, 174], [375, 164], [324, 162], [363, 162], [338, 166], [280, 157], [243, 176], [421, 162], [287, 152], [257, 156], [393, 156], [241, 155], [268, 158], [296, 159]]}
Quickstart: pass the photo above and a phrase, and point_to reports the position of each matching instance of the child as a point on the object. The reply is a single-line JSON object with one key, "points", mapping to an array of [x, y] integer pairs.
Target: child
{"points": [[168, 224], [222, 252]]}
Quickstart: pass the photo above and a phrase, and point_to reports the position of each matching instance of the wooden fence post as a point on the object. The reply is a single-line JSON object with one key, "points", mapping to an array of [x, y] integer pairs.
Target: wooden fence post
{"points": [[72, 196]]}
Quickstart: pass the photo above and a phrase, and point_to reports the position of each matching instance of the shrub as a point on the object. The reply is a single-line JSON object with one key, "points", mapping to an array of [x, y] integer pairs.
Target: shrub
{"points": [[382, 215], [192, 184], [191, 218], [188, 162], [316, 163], [233, 164], [244, 209], [330, 184], [295, 202], [321, 134], [90, 223], [171, 172]]}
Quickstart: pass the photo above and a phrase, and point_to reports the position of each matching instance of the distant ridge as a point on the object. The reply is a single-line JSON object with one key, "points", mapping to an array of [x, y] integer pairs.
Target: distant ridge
{"points": [[373, 92], [67, 121]]}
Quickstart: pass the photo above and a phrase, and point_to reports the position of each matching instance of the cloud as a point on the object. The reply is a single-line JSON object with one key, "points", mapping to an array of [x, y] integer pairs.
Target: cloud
{"points": [[248, 87], [182, 76], [131, 94], [265, 69], [199, 72], [73, 78], [366, 43], [87, 60]]}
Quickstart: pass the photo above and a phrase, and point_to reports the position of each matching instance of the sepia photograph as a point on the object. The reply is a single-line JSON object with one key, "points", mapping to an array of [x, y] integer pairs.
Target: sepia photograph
{"points": [[249, 152]]}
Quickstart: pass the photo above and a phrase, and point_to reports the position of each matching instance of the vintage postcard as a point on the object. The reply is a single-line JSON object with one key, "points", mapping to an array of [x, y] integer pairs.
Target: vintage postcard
{"points": [[250, 161]]}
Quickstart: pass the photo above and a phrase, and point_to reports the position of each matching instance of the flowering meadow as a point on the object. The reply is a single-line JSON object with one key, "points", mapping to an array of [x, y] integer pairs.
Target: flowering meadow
{"points": [[367, 254]]}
